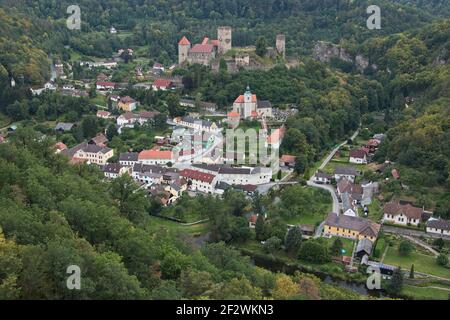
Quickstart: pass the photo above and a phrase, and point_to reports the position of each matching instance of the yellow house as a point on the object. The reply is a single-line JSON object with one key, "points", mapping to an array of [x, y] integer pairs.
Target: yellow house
{"points": [[350, 227], [127, 104]]}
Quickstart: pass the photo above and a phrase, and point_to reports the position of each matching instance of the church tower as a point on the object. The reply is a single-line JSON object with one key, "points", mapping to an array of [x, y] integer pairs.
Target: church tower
{"points": [[224, 37], [183, 50], [248, 103]]}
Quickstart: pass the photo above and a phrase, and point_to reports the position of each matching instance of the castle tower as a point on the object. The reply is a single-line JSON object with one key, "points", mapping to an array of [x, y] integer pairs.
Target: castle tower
{"points": [[224, 37], [183, 50], [281, 45]]}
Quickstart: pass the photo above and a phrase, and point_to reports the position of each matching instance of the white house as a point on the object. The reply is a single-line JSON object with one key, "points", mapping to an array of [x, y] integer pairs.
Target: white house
{"points": [[343, 172], [358, 156], [115, 170], [197, 124], [128, 158], [155, 156], [237, 176], [438, 227], [402, 214], [321, 177], [199, 181]]}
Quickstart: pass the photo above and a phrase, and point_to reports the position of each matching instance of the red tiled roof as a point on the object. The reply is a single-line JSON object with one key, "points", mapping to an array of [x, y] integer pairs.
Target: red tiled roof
{"points": [[233, 114], [276, 135], [155, 154], [288, 158], [162, 83], [215, 43], [395, 174], [127, 99], [197, 175], [59, 145], [103, 113], [205, 40], [202, 48], [240, 99], [184, 42]]}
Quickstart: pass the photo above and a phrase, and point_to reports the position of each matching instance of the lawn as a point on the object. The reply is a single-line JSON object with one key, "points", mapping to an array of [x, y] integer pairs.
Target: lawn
{"points": [[422, 263], [99, 100], [424, 293], [157, 223], [329, 168], [321, 205], [375, 210], [348, 244]]}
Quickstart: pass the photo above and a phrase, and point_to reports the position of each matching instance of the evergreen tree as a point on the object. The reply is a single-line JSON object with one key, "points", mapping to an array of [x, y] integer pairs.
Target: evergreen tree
{"points": [[411, 272], [336, 248], [396, 284], [293, 241], [259, 227], [261, 46]]}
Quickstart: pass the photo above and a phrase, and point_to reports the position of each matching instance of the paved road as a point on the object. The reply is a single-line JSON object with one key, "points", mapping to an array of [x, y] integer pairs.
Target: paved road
{"points": [[410, 232], [329, 188]]}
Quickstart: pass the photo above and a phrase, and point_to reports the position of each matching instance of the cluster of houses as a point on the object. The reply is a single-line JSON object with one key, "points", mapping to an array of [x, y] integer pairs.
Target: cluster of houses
{"points": [[363, 154]]}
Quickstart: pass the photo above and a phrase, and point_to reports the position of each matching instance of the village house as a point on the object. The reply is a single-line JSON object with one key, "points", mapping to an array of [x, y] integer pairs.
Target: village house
{"points": [[349, 207], [104, 114], [127, 104], [350, 227], [275, 138], [439, 227], [128, 158], [155, 156], [197, 124], [162, 84], [372, 145], [199, 181], [364, 248], [343, 172], [105, 85], [64, 127], [358, 156], [115, 170], [89, 153], [237, 176], [321, 177], [99, 140], [397, 213], [59, 146], [287, 160]]}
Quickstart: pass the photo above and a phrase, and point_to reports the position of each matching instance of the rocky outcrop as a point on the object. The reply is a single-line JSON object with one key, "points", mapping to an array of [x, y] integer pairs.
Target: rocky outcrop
{"points": [[325, 51]]}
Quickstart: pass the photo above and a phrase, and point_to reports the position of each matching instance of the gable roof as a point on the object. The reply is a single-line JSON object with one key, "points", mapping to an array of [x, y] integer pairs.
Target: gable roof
{"points": [[407, 209], [202, 48], [363, 226], [288, 158], [184, 42], [155, 154], [345, 171], [359, 154], [439, 224], [112, 168], [197, 175], [162, 83], [129, 156], [64, 126]]}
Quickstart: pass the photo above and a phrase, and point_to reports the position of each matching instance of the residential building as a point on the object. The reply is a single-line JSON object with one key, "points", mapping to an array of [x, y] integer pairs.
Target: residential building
{"points": [[105, 85], [199, 181], [397, 213], [89, 153], [358, 156], [162, 84], [350, 227], [127, 104], [59, 146], [115, 170], [104, 114], [321, 177], [64, 126], [287, 160], [155, 156], [99, 140], [344, 172], [128, 158], [237, 175], [438, 227], [197, 124]]}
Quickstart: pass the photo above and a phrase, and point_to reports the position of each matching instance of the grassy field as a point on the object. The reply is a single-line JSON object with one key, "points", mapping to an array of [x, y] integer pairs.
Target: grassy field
{"points": [[322, 205], [375, 210], [157, 223], [348, 244], [424, 293], [422, 262], [331, 166], [99, 99]]}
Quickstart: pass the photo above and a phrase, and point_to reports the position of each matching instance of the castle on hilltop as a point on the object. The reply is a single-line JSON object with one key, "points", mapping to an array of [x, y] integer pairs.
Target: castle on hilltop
{"points": [[204, 53]]}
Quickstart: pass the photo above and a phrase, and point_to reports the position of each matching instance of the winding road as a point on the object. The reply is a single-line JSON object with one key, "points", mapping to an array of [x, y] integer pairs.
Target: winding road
{"points": [[330, 188]]}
